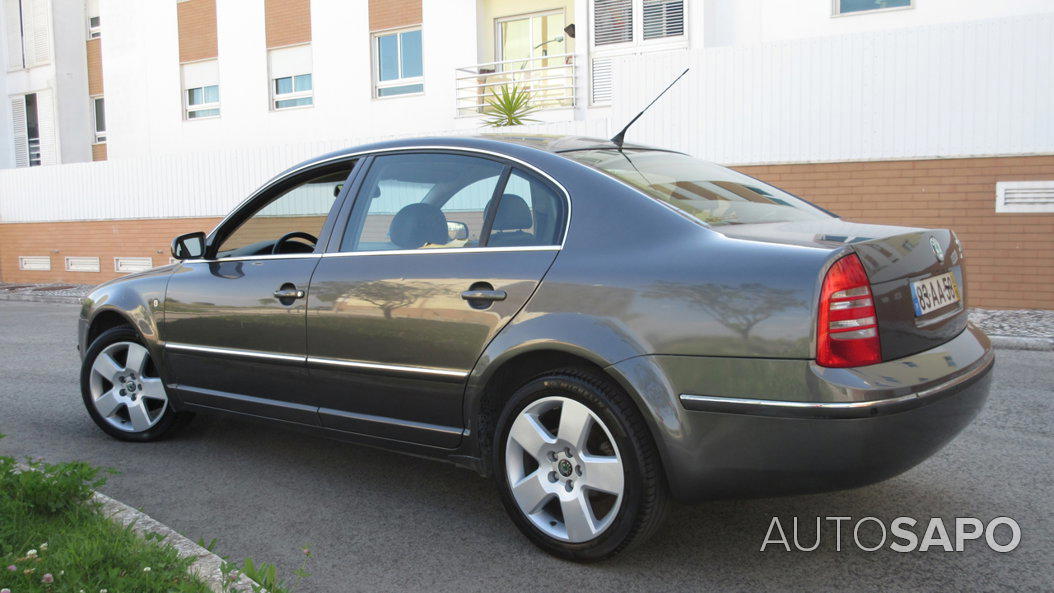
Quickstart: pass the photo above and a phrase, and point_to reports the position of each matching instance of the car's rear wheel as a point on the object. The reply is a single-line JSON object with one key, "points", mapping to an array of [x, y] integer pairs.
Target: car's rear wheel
{"points": [[576, 467], [123, 390]]}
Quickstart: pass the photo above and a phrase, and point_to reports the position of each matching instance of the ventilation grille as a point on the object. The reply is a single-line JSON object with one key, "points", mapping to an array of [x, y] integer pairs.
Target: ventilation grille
{"points": [[18, 124], [663, 18], [601, 77], [1024, 196], [128, 265], [82, 264], [612, 22], [36, 263]]}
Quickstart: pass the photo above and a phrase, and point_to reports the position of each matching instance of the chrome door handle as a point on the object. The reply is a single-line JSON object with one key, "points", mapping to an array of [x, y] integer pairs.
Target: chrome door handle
{"points": [[288, 294], [484, 295]]}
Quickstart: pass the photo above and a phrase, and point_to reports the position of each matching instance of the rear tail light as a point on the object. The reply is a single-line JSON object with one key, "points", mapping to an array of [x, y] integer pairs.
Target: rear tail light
{"points": [[847, 333]]}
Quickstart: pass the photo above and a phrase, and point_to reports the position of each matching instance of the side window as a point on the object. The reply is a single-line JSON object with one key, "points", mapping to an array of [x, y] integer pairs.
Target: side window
{"points": [[530, 214], [422, 201], [301, 209]]}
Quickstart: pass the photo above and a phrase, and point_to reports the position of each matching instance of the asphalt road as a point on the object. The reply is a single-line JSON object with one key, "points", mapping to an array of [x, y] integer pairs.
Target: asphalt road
{"points": [[378, 521]]}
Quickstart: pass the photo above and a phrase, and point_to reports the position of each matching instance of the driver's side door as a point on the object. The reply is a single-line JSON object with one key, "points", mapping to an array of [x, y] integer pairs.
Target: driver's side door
{"points": [[234, 320]]}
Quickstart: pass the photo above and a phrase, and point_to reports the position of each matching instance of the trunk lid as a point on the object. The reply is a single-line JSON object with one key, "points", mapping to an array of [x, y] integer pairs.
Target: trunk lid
{"points": [[894, 258]]}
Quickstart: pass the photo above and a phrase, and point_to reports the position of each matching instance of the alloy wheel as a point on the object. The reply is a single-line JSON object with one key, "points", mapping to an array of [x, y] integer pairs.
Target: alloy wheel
{"points": [[564, 469], [126, 389]]}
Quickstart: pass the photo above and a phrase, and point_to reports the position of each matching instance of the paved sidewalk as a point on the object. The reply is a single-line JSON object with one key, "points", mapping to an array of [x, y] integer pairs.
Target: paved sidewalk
{"points": [[1020, 329]]}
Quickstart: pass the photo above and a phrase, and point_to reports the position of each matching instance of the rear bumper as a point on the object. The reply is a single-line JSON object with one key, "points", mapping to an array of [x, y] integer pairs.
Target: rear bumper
{"points": [[827, 429]]}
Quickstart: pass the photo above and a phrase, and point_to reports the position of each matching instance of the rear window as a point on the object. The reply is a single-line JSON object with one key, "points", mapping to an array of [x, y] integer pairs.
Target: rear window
{"points": [[709, 193]]}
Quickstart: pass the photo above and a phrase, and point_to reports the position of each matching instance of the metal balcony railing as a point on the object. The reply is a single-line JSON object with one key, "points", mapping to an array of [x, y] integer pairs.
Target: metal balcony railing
{"points": [[548, 80]]}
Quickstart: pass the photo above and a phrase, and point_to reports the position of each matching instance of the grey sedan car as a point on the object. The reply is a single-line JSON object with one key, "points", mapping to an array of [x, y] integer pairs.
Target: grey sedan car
{"points": [[600, 328]]}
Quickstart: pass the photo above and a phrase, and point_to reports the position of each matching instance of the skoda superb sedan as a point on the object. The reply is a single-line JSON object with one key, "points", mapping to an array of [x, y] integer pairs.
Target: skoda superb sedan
{"points": [[599, 328]]}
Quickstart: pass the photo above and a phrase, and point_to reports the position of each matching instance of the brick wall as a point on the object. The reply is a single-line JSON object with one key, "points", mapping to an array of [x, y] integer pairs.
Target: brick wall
{"points": [[94, 48], [1009, 257], [287, 22], [197, 30], [98, 152], [388, 14], [104, 239]]}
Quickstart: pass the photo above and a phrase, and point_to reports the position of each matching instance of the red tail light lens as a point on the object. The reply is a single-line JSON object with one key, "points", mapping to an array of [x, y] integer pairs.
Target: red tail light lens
{"points": [[847, 334]]}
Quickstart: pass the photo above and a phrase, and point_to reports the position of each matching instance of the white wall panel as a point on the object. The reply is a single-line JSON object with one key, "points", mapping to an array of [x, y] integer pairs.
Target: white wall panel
{"points": [[204, 184], [968, 89]]}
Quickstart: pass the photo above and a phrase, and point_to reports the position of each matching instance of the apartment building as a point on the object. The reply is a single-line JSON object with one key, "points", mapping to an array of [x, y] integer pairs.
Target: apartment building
{"points": [[914, 112]]}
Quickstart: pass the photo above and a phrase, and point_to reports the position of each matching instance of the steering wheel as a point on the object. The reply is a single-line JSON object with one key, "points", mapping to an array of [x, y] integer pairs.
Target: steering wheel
{"points": [[293, 235]]}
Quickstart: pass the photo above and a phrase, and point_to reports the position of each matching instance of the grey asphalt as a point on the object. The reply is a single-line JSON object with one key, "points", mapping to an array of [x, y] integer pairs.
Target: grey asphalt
{"points": [[378, 521]]}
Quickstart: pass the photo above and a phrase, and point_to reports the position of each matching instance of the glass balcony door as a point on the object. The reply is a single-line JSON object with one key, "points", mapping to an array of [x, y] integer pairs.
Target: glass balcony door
{"points": [[530, 36]]}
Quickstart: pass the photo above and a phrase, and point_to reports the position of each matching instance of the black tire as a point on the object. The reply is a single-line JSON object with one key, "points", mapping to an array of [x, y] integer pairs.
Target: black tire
{"points": [[645, 495], [169, 420]]}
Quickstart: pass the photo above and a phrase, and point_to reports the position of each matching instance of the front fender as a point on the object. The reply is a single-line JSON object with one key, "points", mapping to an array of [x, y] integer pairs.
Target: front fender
{"points": [[138, 299]]}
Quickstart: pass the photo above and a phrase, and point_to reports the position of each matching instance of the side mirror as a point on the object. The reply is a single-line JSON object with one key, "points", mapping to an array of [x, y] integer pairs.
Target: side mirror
{"points": [[188, 246], [458, 231]]}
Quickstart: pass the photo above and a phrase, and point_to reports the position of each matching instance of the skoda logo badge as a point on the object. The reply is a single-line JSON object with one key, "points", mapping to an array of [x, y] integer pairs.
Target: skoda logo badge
{"points": [[937, 250]]}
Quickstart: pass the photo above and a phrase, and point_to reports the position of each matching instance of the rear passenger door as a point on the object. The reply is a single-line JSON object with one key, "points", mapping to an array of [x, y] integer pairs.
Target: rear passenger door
{"points": [[440, 250]]}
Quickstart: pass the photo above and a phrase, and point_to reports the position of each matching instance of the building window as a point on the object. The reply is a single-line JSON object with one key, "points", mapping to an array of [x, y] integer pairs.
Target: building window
{"points": [[129, 265], [32, 130], [36, 263], [663, 18], [292, 91], [82, 264], [201, 89], [397, 63], [203, 101], [94, 29], [854, 6], [99, 111], [291, 80], [612, 22]]}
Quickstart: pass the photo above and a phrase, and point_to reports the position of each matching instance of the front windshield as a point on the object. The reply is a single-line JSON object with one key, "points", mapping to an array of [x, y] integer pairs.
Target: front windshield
{"points": [[709, 193]]}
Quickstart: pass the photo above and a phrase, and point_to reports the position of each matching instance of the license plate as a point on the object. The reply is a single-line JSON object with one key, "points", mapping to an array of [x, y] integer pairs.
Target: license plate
{"points": [[934, 293]]}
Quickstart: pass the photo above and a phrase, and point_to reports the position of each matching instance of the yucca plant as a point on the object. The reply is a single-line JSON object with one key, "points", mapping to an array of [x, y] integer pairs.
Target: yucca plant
{"points": [[509, 105]]}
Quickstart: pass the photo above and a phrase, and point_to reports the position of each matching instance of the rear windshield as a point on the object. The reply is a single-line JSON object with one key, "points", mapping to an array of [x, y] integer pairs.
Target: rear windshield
{"points": [[709, 193]]}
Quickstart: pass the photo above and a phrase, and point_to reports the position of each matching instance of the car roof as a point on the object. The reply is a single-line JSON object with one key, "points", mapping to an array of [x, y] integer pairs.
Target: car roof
{"points": [[500, 143]]}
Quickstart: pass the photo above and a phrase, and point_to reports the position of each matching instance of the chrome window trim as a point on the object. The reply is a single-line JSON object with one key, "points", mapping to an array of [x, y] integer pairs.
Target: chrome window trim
{"points": [[254, 257], [442, 250], [235, 352], [376, 366], [282, 177]]}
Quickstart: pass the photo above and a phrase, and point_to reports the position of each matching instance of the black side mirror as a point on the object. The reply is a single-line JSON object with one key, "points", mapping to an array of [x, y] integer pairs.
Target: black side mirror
{"points": [[189, 246]]}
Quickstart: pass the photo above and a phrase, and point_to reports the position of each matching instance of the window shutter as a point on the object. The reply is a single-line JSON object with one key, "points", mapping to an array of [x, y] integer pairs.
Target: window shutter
{"points": [[12, 24], [612, 21], [46, 124], [36, 28], [601, 78], [663, 18], [21, 135]]}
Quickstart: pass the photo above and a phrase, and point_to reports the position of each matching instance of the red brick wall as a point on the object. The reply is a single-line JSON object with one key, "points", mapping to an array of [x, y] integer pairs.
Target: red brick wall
{"points": [[104, 239], [287, 22], [1009, 257], [388, 14], [197, 30]]}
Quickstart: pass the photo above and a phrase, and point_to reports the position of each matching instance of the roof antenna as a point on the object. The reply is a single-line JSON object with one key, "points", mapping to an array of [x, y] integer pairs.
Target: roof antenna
{"points": [[620, 138]]}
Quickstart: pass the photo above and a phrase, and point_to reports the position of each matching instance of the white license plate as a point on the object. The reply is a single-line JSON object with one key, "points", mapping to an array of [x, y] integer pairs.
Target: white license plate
{"points": [[934, 293]]}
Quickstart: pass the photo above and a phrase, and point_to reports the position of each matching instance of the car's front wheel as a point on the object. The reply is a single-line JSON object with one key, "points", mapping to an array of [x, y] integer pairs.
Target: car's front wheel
{"points": [[123, 390], [576, 466]]}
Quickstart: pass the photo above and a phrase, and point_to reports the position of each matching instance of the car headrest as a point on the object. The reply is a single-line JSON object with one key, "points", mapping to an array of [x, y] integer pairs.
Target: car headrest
{"points": [[513, 214], [418, 224]]}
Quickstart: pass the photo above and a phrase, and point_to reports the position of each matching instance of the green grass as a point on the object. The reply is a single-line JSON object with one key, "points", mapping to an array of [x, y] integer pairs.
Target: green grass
{"points": [[58, 541]]}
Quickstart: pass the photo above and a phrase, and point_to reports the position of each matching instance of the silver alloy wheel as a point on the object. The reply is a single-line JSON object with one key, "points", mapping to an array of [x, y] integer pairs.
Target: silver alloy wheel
{"points": [[121, 390], [563, 481]]}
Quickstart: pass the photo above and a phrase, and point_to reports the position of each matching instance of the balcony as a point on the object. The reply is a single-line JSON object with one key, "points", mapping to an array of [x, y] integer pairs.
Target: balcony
{"points": [[549, 82]]}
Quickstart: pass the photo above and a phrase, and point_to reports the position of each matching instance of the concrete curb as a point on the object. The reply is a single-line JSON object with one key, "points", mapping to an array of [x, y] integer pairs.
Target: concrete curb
{"points": [[1022, 343], [41, 298], [206, 565]]}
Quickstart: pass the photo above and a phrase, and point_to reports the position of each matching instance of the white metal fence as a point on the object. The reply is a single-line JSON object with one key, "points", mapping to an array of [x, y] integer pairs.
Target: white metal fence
{"points": [[547, 81], [193, 185], [968, 89]]}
